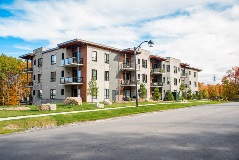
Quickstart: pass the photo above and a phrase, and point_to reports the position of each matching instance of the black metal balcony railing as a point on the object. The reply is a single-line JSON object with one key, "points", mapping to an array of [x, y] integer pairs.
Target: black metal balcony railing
{"points": [[129, 82], [130, 66], [72, 60], [157, 70], [69, 80], [157, 84]]}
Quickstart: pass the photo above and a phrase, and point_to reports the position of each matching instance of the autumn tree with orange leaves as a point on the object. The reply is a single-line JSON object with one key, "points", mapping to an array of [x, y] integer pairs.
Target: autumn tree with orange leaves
{"points": [[11, 79], [228, 90]]}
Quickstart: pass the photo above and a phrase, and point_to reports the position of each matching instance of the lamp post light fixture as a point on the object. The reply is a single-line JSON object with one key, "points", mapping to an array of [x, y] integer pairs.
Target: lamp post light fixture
{"points": [[150, 43]]}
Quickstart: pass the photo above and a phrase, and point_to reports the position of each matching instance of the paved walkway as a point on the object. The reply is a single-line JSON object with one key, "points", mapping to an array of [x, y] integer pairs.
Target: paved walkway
{"points": [[73, 112], [53, 114]]}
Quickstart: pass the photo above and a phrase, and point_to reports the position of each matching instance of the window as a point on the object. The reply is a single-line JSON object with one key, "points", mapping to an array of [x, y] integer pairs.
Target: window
{"points": [[195, 84], [34, 77], [33, 92], [106, 58], [144, 63], [194, 74], [94, 56], [144, 78], [178, 80], [62, 74], [168, 80], [39, 93], [39, 78], [164, 67], [163, 79], [190, 82], [139, 76], [62, 56], [34, 62], [106, 75], [175, 81], [53, 76], [94, 74], [189, 72], [178, 69], [52, 94], [40, 62], [168, 68], [138, 61], [175, 69], [53, 59], [106, 93], [62, 91]]}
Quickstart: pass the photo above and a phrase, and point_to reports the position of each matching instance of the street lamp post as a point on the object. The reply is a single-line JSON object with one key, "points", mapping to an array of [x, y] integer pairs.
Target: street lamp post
{"points": [[150, 43]]}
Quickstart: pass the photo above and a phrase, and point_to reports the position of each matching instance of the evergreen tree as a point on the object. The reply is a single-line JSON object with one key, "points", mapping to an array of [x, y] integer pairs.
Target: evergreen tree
{"points": [[189, 94], [142, 91], [156, 94], [168, 96], [182, 88]]}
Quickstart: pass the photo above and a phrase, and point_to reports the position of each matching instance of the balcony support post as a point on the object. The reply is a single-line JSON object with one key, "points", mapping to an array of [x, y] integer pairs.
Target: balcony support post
{"points": [[77, 67]]}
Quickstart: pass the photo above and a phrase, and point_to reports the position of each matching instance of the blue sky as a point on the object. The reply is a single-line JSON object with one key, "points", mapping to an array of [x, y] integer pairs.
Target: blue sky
{"points": [[203, 33]]}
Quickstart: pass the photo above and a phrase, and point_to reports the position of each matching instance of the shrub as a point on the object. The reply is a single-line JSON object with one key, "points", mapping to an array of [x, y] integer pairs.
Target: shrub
{"points": [[142, 91], [156, 94], [168, 96]]}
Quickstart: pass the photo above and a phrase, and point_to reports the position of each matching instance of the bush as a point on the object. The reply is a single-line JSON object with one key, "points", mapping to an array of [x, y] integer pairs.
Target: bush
{"points": [[156, 94], [168, 96], [142, 91]]}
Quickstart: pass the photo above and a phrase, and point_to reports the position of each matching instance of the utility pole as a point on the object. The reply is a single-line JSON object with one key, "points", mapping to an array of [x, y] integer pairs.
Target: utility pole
{"points": [[214, 79]]}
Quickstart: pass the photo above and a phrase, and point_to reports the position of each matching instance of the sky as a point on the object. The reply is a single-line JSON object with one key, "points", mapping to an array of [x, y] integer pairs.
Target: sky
{"points": [[202, 33]]}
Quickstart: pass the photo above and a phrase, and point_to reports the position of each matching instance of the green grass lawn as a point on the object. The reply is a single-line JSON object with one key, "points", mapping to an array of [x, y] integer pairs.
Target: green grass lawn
{"points": [[61, 108], [28, 123]]}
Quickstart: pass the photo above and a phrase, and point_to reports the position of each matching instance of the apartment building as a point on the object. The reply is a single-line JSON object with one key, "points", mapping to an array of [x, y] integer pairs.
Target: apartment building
{"points": [[66, 70]]}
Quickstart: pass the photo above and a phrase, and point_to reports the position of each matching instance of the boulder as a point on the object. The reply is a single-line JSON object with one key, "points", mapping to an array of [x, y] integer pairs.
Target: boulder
{"points": [[107, 102], [101, 106], [73, 100], [47, 107]]}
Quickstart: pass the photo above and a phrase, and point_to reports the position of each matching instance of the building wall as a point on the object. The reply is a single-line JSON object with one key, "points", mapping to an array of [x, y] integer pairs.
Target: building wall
{"points": [[101, 67]]}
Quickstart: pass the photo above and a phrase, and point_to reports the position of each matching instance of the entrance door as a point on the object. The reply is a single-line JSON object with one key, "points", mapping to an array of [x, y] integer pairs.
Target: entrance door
{"points": [[74, 93], [113, 95], [127, 93]]}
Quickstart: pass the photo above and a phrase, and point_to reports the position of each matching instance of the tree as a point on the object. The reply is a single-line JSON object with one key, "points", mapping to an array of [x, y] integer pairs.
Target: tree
{"points": [[182, 88], [189, 94], [156, 94], [10, 79], [199, 96], [168, 96], [93, 89], [142, 91], [204, 94]]}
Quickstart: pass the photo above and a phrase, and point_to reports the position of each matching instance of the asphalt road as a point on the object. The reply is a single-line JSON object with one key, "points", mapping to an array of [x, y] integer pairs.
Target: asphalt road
{"points": [[207, 132]]}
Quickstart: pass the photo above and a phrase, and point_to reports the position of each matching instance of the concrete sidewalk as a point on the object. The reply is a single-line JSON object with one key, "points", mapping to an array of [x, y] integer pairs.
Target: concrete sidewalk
{"points": [[53, 114]]}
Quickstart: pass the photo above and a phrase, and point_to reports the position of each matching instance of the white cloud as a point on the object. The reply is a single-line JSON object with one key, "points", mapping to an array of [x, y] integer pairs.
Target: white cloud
{"points": [[205, 38], [23, 47]]}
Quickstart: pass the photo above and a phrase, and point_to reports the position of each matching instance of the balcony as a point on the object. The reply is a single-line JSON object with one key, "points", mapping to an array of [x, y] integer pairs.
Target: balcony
{"points": [[128, 82], [156, 84], [129, 67], [184, 75], [157, 71], [71, 62], [27, 70], [27, 85], [71, 80]]}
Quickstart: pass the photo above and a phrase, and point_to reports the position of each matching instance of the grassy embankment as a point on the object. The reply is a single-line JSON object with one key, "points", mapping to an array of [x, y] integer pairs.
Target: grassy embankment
{"points": [[56, 120]]}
